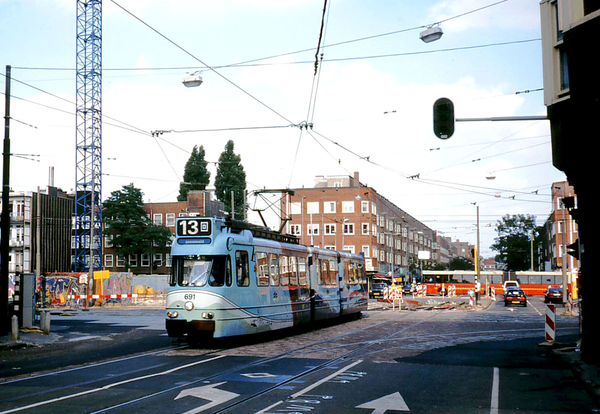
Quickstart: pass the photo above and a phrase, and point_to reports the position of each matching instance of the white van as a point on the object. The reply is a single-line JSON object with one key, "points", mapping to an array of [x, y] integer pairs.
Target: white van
{"points": [[510, 284]]}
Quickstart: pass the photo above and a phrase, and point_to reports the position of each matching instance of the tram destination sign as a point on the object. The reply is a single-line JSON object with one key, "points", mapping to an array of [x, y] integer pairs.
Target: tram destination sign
{"points": [[194, 227]]}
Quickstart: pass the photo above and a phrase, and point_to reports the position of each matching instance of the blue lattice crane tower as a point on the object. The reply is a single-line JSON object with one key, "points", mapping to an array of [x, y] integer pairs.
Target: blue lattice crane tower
{"points": [[88, 158]]}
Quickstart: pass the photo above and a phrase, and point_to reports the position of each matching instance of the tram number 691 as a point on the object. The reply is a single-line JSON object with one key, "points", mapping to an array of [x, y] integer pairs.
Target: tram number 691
{"points": [[189, 296]]}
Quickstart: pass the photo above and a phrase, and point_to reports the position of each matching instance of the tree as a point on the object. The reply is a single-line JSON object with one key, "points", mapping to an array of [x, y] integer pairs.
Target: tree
{"points": [[513, 243], [461, 263], [231, 177], [195, 176], [129, 225]]}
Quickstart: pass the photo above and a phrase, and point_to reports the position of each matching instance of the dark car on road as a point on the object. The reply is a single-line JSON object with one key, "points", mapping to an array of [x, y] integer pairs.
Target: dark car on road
{"points": [[553, 294], [515, 297], [377, 290]]}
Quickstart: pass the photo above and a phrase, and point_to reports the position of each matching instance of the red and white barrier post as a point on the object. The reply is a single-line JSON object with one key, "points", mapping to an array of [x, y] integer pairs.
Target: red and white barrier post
{"points": [[493, 292], [550, 323]]}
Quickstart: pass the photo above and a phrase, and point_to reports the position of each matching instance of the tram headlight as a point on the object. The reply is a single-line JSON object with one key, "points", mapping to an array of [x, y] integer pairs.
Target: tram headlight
{"points": [[208, 315], [189, 305], [172, 314]]}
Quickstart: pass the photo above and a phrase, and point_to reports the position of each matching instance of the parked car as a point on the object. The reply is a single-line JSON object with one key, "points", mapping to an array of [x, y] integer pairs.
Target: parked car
{"points": [[407, 289], [553, 294], [515, 297], [377, 290]]}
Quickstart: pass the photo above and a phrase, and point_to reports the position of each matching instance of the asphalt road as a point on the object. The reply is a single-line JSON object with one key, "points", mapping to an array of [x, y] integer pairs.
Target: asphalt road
{"points": [[422, 361]]}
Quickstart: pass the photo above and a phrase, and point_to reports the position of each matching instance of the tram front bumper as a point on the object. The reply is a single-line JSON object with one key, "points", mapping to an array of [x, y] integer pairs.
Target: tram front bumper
{"points": [[181, 327]]}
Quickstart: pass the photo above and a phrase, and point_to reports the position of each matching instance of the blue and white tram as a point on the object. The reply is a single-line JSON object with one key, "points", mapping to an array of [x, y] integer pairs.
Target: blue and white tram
{"points": [[234, 279]]}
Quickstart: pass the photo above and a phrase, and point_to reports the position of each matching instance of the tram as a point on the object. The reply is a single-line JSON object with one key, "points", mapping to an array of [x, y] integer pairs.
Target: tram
{"points": [[232, 278]]}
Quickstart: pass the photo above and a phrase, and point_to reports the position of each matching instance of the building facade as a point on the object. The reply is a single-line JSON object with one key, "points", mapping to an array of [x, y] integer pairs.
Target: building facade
{"points": [[40, 232], [572, 96], [340, 213], [561, 228]]}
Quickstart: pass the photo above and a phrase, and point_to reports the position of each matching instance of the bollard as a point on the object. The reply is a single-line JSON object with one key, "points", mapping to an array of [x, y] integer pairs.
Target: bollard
{"points": [[45, 322], [550, 333], [14, 328]]}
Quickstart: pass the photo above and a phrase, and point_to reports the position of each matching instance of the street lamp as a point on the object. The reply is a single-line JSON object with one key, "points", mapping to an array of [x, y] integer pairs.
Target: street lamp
{"points": [[431, 34], [193, 80]]}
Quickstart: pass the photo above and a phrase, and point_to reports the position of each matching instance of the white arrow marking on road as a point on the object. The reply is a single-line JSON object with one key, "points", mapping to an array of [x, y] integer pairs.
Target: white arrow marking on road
{"points": [[392, 402], [210, 393]]}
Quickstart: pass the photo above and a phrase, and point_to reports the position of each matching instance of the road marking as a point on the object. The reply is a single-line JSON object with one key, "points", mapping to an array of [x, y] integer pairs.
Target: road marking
{"points": [[109, 386], [210, 393], [495, 391], [310, 387], [392, 402]]}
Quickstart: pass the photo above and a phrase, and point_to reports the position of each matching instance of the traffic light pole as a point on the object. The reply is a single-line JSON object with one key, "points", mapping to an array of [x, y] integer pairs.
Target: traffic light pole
{"points": [[504, 118]]}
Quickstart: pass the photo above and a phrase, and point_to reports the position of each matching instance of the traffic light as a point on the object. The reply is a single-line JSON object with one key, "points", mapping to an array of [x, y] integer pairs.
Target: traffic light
{"points": [[443, 118], [573, 249]]}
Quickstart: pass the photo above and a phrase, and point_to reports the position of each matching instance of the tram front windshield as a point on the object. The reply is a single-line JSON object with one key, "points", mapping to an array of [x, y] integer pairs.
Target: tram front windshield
{"points": [[201, 270]]}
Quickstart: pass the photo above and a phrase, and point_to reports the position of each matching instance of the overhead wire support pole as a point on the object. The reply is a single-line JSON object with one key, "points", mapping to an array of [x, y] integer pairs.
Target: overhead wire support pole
{"points": [[5, 216], [88, 159]]}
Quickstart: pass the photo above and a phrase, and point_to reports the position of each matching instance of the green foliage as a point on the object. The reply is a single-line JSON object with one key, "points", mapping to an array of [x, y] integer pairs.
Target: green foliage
{"points": [[195, 176], [129, 225], [513, 243], [461, 263], [231, 177]]}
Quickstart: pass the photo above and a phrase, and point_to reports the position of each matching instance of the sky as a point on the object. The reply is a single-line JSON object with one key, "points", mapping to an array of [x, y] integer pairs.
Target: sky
{"points": [[369, 103]]}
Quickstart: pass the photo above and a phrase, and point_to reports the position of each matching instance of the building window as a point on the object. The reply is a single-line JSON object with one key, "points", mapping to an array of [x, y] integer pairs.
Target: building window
{"points": [[295, 229], [145, 259], [348, 206], [168, 260], [312, 229], [120, 261], [108, 240], [329, 207], [312, 207], [348, 228], [157, 219], [157, 260], [108, 260], [295, 208], [365, 229], [133, 261], [364, 206], [170, 219], [330, 229], [365, 250]]}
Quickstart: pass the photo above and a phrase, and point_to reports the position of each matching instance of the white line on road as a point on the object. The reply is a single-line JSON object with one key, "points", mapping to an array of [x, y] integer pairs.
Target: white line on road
{"points": [[108, 386], [495, 391]]}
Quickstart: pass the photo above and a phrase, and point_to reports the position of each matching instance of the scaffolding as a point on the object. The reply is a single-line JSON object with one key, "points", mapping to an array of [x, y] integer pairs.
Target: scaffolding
{"points": [[88, 159]]}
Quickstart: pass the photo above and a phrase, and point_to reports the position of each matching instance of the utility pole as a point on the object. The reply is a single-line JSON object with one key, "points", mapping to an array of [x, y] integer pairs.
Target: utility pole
{"points": [[5, 215]]}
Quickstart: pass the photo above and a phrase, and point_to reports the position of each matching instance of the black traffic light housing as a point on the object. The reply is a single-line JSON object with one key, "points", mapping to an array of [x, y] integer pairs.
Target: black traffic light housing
{"points": [[573, 249], [443, 118]]}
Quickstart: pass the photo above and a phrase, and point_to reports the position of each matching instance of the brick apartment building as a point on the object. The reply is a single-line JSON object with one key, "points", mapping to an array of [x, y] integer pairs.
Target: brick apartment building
{"points": [[340, 213], [198, 203], [561, 228]]}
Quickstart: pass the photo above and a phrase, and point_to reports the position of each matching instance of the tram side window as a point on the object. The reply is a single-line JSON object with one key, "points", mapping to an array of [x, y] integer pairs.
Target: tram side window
{"points": [[324, 273], [284, 270], [274, 269], [346, 268], [293, 271], [262, 269], [333, 273], [302, 271], [242, 268]]}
